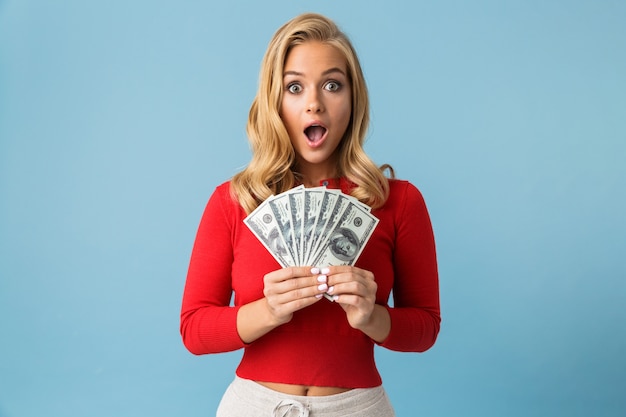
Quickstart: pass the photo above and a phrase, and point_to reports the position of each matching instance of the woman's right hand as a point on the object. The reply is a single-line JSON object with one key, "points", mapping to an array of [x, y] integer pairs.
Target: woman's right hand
{"points": [[286, 291], [291, 289]]}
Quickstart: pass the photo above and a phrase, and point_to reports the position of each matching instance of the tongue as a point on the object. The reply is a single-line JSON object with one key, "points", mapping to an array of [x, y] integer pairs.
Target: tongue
{"points": [[315, 133]]}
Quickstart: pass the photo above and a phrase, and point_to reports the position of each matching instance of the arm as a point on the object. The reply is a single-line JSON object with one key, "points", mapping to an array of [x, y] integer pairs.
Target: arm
{"points": [[208, 323], [355, 290], [413, 323], [379, 324], [415, 316], [285, 291]]}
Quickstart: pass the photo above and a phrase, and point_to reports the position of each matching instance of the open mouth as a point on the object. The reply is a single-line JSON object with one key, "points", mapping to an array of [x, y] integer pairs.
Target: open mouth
{"points": [[315, 133]]}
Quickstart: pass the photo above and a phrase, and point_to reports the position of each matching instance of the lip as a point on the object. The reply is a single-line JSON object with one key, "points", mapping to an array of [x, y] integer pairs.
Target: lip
{"points": [[319, 142]]}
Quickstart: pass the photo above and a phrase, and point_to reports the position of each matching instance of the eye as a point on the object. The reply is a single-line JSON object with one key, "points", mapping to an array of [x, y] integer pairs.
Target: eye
{"points": [[294, 88], [332, 86]]}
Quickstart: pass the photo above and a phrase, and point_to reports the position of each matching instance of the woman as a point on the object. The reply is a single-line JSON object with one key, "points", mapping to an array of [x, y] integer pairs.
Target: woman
{"points": [[303, 354]]}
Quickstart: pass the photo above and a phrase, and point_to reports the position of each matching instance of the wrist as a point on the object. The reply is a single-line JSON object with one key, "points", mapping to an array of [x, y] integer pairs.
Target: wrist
{"points": [[255, 320], [268, 316], [379, 324]]}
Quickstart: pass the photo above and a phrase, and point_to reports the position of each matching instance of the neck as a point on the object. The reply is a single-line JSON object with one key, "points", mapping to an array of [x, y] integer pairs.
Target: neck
{"points": [[315, 180], [312, 176]]}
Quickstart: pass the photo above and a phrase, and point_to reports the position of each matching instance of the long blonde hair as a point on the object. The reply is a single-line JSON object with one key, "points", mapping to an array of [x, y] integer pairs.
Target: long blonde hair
{"points": [[271, 168]]}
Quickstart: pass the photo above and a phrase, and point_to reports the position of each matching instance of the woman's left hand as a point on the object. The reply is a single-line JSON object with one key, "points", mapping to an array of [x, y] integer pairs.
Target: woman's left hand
{"points": [[355, 290]]}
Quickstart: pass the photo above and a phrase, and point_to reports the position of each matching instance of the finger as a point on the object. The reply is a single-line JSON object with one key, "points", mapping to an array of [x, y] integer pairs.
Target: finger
{"points": [[297, 304], [296, 288], [290, 272], [299, 287], [287, 303], [283, 311], [365, 279], [362, 288], [340, 269], [346, 300], [283, 280]]}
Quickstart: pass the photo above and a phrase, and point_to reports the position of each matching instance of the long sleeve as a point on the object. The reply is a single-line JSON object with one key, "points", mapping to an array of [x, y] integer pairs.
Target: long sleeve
{"points": [[415, 315], [208, 322]]}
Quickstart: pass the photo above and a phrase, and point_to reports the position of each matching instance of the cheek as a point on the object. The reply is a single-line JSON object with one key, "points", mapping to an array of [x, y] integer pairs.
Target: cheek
{"points": [[283, 109], [346, 114], [345, 107], [284, 116], [281, 112]]}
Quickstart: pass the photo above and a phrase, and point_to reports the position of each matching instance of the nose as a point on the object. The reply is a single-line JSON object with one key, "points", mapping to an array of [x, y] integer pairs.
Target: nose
{"points": [[314, 103]]}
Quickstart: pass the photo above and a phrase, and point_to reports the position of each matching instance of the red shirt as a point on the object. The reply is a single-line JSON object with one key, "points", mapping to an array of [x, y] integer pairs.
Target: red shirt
{"points": [[317, 347]]}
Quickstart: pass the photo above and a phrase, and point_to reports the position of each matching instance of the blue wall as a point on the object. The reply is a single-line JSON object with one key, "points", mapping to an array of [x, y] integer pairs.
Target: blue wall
{"points": [[117, 119]]}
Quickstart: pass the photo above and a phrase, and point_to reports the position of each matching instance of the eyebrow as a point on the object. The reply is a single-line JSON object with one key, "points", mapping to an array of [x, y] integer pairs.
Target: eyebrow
{"points": [[328, 71]]}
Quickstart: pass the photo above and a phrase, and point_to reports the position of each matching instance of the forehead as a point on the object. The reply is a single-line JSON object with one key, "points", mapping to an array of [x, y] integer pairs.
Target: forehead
{"points": [[313, 57]]}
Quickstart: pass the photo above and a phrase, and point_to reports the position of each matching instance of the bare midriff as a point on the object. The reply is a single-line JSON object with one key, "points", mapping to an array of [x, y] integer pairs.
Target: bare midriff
{"points": [[303, 390]]}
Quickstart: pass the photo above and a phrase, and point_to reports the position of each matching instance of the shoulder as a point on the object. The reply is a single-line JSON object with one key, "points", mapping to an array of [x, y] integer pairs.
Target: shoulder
{"points": [[403, 196], [222, 208], [399, 188], [223, 188], [223, 197]]}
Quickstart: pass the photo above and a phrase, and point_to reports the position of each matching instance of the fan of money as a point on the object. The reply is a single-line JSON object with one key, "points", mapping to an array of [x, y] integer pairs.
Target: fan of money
{"points": [[312, 226]]}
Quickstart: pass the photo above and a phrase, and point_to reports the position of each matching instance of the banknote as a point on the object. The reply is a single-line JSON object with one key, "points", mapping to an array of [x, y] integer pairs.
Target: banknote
{"points": [[325, 212], [313, 198], [296, 202], [349, 235], [279, 206], [264, 226], [339, 204], [313, 227]]}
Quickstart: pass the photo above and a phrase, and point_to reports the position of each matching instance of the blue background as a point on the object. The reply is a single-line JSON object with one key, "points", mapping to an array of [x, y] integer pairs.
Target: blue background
{"points": [[118, 118]]}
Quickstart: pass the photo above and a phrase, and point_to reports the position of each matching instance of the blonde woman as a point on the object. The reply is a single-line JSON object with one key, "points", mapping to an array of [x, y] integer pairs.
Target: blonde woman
{"points": [[305, 355]]}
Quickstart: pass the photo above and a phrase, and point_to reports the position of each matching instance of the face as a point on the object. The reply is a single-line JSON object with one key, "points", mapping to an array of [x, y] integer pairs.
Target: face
{"points": [[316, 107], [345, 246]]}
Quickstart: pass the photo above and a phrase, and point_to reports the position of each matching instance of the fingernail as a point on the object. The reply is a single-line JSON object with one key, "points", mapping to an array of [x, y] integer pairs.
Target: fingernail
{"points": [[331, 289], [325, 271], [321, 278], [315, 271], [318, 296], [322, 287], [335, 297]]}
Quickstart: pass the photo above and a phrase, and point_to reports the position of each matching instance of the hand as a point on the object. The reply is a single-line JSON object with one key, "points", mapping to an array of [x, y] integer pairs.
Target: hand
{"points": [[291, 289], [355, 290]]}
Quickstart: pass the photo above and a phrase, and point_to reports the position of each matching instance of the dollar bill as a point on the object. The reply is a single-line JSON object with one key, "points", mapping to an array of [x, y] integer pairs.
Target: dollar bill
{"points": [[282, 213], [348, 237], [341, 201], [312, 226], [296, 203], [325, 213], [264, 226], [312, 209]]}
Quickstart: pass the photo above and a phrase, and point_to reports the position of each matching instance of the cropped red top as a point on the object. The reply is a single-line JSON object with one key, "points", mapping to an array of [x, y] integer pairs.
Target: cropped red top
{"points": [[317, 347]]}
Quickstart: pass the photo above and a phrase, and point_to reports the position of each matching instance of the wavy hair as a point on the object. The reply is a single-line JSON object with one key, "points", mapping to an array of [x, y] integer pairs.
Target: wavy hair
{"points": [[272, 169]]}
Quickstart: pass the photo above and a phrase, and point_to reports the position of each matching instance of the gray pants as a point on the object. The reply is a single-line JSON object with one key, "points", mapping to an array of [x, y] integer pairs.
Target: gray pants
{"points": [[245, 398]]}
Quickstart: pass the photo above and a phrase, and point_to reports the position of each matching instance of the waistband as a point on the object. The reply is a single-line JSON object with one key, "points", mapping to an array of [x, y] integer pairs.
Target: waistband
{"points": [[285, 404]]}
